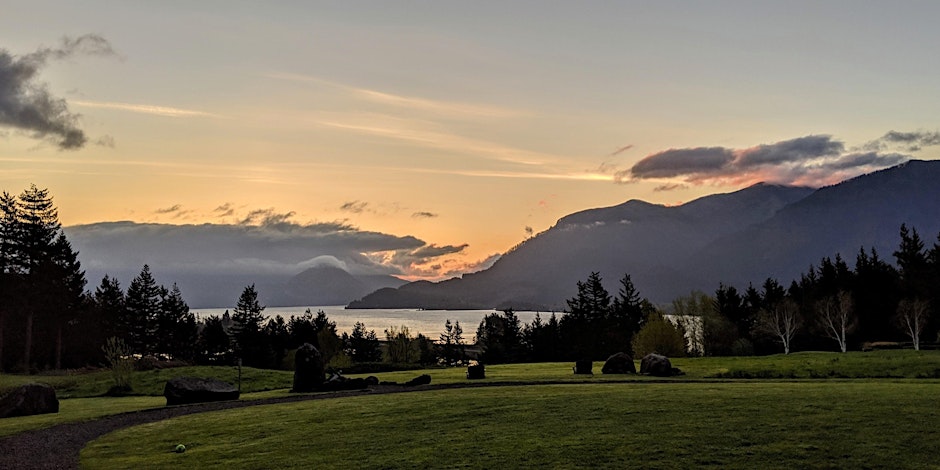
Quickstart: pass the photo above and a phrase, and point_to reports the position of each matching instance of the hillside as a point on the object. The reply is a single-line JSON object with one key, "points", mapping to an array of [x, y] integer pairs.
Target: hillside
{"points": [[739, 237]]}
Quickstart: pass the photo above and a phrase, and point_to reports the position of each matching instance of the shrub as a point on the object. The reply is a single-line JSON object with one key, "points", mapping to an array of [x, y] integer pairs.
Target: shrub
{"points": [[122, 365], [661, 336]]}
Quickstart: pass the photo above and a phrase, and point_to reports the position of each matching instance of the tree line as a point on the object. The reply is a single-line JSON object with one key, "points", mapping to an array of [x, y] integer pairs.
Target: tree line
{"points": [[48, 320], [830, 307]]}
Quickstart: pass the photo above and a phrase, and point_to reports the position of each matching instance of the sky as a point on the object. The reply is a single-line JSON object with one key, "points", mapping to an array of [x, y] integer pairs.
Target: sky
{"points": [[454, 130]]}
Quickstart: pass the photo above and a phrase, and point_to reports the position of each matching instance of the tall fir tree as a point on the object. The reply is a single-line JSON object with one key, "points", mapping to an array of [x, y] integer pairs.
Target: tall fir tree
{"points": [[175, 325], [142, 302], [247, 336]]}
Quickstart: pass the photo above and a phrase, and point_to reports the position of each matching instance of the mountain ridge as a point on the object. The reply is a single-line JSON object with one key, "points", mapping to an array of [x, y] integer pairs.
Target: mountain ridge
{"points": [[743, 236]]}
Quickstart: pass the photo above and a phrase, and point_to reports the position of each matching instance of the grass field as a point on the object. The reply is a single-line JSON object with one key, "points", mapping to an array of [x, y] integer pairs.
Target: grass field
{"points": [[842, 401], [754, 424]]}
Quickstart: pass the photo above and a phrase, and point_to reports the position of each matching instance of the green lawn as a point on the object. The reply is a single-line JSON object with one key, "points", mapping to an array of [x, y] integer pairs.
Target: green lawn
{"points": [[81, 393], [754, 424]]}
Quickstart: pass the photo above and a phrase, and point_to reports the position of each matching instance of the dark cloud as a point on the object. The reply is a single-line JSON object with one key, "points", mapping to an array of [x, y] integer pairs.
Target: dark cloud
{"points": [[267, 217], [670, 187], [27, 105], [356, 207], [676, 162], [856, 160], [224, 210], [529, 231], [789, 151], [226, 249], [424, 215], [411, 261], [813, 160], [922, 138], [167, 210], [907, 141]]}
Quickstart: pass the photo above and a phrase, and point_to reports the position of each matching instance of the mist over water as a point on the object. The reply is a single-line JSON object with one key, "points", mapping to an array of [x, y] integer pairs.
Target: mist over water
{"points": [[427, 322]]}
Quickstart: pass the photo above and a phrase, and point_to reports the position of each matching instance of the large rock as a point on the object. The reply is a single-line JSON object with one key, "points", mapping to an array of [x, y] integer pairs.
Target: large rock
{"points": [[423, 379], [309, 373], [657, 365], [584, 367], [29, 399], [476, 372], [620, 363], [186, 390]]}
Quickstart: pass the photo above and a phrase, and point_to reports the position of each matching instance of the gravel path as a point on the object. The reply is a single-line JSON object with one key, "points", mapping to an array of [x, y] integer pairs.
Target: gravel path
{"points": [[58, 446]]}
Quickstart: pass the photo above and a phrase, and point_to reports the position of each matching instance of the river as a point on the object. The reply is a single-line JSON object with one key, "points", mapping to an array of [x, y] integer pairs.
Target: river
{"points": [[428, 322]]}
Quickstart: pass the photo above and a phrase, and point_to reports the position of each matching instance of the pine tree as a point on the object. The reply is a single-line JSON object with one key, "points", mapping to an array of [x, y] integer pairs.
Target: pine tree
{"points": [[175, 325], [110, 305], [626, 317], [214, 345], [142, 307], [363, 345], [246, 331]]}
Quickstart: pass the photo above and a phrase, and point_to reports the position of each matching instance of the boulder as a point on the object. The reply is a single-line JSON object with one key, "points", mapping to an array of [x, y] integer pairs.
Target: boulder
{"points": [[29, 399], [657, 365], [584, 367], [476, 372], [187, 390], [309, 371], [422, 379], [619, 363]]}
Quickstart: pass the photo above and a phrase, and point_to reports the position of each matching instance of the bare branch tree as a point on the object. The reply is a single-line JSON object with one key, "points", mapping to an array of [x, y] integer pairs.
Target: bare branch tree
{"points": [[912, 318], [782, 322], [837, 316]]}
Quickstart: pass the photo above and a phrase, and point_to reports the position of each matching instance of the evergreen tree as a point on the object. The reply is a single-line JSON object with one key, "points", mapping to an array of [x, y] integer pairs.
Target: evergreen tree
{"points": [[246, 328], [875, 296], [363, 345], [40, 278], [542, 339], [176, 329], [214, 345], [142, 303], [626, 318], [65, 299], [583, 326], [109, 305], [302, 330], [499, 336], [277, 337]]}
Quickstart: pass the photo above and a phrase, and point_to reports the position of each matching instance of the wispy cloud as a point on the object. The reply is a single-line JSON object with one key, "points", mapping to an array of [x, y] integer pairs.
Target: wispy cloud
{"points": [[145, 109], [423, 215], [621, 150], [813, 160], [449, 108], [27, 105], [393, 129], [167, 210], [906, 141], [356, 207]]}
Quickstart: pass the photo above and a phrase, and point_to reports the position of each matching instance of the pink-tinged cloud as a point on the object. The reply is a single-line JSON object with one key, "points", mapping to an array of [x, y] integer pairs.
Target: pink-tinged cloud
{"points": [[814, 160]]}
